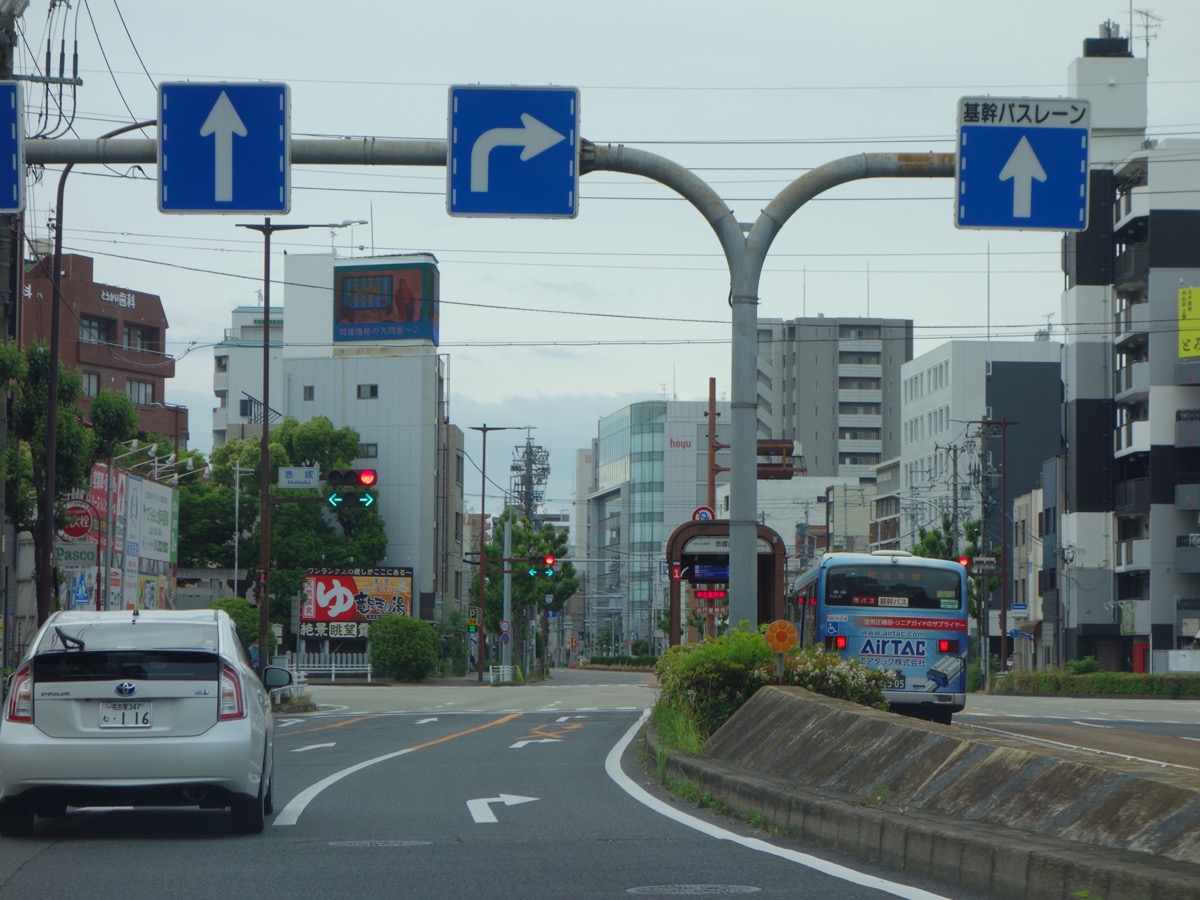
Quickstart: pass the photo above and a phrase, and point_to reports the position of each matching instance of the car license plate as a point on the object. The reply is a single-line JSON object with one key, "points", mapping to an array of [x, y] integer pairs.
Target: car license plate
{"points": [[126, 714]]}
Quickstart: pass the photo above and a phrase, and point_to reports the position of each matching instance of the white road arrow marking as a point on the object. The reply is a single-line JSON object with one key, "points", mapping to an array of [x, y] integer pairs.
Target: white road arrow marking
{"points": [[313, 747], [519, 744], [533, 137], [1022, 168], [481, 809], [426, 721], [223, 123]]}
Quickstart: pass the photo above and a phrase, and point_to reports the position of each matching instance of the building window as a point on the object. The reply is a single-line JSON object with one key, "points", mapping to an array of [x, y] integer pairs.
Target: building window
{"points": [[93, 331], [140, 392], [137, 338], [368, 391], [458, 470], [222, 363], [368, 451], [458, 527], [91, 384], [310, 392]]}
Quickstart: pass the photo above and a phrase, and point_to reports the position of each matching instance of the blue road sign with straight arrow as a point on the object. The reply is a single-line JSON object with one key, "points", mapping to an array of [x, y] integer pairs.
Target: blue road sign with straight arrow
{"points": [[1022, 163], [224, 148], [513, 152]]}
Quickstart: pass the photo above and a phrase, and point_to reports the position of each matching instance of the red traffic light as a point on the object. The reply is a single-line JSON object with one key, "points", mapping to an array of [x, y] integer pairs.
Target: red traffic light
{"points": [[965, 562], [549, 559], [352, 478]]}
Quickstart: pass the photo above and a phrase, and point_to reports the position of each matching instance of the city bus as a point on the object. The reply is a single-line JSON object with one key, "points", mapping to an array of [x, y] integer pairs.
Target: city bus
{"points": [[890, 610]]}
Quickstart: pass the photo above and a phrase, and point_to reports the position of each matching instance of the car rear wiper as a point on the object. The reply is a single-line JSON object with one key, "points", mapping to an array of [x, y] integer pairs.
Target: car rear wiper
{"points": [[68, 640]]}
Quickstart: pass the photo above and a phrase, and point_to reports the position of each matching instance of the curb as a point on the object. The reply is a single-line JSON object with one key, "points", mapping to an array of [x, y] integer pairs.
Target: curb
{"points": [[981, 856]]}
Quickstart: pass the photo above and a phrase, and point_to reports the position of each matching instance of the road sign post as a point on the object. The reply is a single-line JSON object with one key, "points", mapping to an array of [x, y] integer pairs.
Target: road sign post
{"points": [[224, 148], [513, 152], [1022, 163]]}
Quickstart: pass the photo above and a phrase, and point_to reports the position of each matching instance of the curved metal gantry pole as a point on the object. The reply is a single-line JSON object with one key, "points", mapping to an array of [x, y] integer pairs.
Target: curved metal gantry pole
{"points": [[745, 253]]}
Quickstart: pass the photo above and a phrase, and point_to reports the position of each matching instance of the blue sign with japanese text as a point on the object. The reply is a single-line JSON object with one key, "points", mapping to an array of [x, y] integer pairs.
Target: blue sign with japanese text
{"points": [[513, 152], [224, 148], [1022, 163]]}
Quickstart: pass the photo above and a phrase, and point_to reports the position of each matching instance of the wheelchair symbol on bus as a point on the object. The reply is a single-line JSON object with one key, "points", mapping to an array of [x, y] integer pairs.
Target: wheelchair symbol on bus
{"points": [[831, 629]]}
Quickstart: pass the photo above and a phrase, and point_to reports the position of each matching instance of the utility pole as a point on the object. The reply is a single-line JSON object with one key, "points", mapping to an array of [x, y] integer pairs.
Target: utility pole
{"points": [[713, 446], [999, 428], [10, 287]]}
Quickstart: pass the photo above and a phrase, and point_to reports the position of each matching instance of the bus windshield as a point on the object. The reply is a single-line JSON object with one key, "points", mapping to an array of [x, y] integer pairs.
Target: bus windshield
{"points": [[892, 586]]}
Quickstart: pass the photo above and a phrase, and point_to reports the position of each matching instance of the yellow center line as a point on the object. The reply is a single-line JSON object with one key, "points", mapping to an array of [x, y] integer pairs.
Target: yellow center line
{"points": [[279, 734]]}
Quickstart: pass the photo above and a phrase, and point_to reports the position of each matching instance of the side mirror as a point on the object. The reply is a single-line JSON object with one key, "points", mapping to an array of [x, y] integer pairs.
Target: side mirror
{"points": [[275, 677]]}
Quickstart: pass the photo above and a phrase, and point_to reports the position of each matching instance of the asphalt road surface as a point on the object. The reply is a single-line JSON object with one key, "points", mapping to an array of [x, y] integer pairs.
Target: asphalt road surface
{"points": [[448, 791]]}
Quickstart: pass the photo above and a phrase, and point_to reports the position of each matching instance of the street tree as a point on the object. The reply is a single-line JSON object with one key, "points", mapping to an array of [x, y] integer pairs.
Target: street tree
{"points": [[302, 534], [26, 375], [532, 596]]}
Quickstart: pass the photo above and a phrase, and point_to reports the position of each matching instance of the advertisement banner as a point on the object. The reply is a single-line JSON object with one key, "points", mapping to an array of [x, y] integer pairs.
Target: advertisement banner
{"points": [[342, 602], [386, 301]]}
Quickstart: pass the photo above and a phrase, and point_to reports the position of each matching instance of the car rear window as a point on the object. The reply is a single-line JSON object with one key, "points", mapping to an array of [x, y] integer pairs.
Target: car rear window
{"points": [[145, 665], [127, 635], [97, 651]]}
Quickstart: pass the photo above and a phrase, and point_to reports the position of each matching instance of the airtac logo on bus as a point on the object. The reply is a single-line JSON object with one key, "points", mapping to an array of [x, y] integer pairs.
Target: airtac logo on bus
{"points": [[892, 647]]}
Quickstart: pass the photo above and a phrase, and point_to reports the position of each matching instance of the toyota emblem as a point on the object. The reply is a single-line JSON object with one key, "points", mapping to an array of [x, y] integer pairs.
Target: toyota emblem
{"points": [[126, 689]]}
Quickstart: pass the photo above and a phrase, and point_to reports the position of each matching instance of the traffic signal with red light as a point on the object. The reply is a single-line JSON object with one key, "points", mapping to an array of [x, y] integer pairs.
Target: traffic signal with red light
{"points": [[965, 562], [340, 480], [542, 565], [352, 478]]}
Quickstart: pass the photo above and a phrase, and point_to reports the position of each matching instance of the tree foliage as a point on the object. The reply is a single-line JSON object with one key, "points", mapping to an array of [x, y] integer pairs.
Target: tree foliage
{"points": [[529, 593], [302, 534], [403, 648], [26, 374]]}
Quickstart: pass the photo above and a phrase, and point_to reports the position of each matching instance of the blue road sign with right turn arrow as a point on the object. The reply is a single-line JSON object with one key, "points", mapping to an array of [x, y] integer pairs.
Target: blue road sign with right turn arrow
{"points": [[224, 148], [513, 152], [1022, 163]]}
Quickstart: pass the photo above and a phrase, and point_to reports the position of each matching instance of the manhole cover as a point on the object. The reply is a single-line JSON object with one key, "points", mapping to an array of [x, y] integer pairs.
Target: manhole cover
{"points": [[692, 890], [379, 844]]}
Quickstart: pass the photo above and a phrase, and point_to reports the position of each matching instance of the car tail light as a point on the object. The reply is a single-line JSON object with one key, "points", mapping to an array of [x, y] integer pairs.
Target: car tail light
{"points": [[232, 705], [20, 697], [836, 643], [947, 646]]}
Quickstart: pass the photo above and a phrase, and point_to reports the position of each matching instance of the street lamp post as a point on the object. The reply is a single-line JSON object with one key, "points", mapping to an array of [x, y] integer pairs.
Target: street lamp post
{"points": [[266, 229], [483, 430], [45, 565]]}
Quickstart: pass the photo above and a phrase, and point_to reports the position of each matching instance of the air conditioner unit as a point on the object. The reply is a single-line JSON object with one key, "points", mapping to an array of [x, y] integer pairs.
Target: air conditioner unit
{"points": [[1194, 540]]}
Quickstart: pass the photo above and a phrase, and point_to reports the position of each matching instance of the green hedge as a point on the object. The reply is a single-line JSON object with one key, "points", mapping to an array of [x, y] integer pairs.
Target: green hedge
{"points": [[628, 662], [1124, 684]]}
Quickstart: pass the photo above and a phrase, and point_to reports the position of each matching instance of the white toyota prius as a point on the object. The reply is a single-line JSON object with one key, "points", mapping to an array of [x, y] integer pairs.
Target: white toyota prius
{"points": [[137, 708]]}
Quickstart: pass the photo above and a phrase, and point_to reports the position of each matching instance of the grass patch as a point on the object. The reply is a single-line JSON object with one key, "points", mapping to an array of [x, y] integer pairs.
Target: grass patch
{"points": [[677, 730]]}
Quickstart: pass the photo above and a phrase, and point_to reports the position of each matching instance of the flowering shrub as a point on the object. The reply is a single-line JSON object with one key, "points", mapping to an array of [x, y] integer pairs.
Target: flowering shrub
{"points": [[709, 681]]}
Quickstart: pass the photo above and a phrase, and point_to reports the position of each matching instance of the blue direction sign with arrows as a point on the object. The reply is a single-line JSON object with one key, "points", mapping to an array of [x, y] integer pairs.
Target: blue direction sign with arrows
{"points": [[513, 152], [12, 149], [1022, 163], [224, 148]]}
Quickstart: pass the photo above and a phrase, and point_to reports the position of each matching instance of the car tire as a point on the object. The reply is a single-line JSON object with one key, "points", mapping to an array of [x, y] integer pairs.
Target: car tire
{"points": [[248, 815], [16, 819]]}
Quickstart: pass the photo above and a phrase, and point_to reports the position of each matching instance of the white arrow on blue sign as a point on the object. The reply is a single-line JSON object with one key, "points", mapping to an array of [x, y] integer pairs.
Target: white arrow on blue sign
{"points": [[1022, 163], [224, 148], [513, 152], [12, 149]]}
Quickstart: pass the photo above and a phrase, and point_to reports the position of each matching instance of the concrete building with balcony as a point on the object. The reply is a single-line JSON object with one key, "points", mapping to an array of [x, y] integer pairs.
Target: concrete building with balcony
{"points": [[833, 385], [238, 373], [1125, 570]]}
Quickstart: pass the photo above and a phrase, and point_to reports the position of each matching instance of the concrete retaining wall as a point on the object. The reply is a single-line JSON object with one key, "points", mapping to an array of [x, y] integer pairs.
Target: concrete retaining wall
{"points": [[993, 814]]}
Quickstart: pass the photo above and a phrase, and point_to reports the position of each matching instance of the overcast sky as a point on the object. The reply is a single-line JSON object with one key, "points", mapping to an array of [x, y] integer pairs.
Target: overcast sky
{"points": [[557, 323]]}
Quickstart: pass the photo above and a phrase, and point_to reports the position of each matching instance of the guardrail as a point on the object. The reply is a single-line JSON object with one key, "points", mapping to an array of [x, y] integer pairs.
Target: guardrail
{"points": [[333, 663], [501, 674]]}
